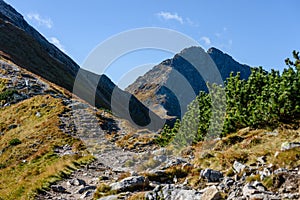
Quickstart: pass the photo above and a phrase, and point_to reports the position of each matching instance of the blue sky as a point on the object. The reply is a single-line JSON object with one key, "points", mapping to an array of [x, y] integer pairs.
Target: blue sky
{"points": [[257, 33]]}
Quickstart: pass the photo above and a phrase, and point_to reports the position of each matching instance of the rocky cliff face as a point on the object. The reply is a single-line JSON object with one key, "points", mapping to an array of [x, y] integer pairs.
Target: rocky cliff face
{"points": [[26, 47], [166, 88], [226, 64]]}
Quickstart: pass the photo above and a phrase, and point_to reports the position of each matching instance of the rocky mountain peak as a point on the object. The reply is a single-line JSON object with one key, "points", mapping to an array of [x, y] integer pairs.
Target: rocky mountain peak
{"points": [[226, 64], [190, 50], [214, 50], [194, 67]]}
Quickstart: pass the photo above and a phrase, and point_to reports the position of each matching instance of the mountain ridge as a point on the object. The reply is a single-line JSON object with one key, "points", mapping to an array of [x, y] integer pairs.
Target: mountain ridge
{"points": [[8, 13], [22, 44], [213, 66]]}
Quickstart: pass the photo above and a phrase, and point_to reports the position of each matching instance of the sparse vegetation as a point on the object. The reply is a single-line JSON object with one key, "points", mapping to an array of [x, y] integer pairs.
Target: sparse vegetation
{"points": [[247, 151], [5, 95], [138, 196], [151, 163], [103, 190], [3, 83], [31, 165], [14, 142]]}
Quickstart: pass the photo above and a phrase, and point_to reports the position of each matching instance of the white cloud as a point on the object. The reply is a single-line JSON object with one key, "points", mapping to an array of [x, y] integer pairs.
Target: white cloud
{"points": [[57, 43], [191, 23], [170, 16], [39, 20], [206, 40]]}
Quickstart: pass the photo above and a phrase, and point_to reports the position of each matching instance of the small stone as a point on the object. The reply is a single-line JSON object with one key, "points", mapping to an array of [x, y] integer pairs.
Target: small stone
{"points": [[262, 159], [273, 133], [84, 189], [280, 170], [86, 194], [238, 167], [289, 145], [12, 126], [76, 182], [111, 197], [228, 182], [38, 114], [58, 188], [211, 193], [265, 173], [259, 186]]}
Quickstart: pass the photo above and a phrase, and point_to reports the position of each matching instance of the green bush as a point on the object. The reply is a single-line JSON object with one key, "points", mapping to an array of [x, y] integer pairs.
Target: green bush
{"points": [[14, 142], [7, 94], [264, 100]]}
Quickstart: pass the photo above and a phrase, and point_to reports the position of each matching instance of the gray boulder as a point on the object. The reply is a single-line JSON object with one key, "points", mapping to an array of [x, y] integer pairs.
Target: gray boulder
{"points": [[131, 183], [211, 175], [172, 192]]}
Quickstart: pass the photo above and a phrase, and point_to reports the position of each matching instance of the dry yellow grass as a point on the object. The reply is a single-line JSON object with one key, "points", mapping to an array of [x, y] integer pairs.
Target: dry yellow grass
{"points": [[138, 196], [3, 82], [32, 165], [246, 145]]}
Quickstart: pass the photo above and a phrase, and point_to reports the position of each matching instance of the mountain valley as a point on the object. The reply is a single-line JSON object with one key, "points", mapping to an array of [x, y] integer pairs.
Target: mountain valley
{"points": [[57, 143]]}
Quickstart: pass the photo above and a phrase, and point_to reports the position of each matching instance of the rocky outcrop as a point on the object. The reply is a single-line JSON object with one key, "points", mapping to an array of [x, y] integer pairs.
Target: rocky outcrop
{"points": [[172, 192], [130, 184], [167, 88], [211, 175]]}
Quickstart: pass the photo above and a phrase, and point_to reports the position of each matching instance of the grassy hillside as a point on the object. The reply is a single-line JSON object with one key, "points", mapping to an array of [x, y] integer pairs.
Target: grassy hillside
{"points": [[28, 162]]}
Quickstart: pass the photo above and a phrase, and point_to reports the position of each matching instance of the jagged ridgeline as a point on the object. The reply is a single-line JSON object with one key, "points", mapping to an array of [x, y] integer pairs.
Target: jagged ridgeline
{"points": [[157, 88], [264, 100]]}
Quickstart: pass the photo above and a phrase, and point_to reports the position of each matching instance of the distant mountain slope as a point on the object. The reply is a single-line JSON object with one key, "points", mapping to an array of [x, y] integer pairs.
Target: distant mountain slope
{"points": [[26, 47], [151, 88]]}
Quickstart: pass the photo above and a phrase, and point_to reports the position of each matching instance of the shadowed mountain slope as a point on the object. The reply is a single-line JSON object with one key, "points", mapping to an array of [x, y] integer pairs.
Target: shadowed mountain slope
{"points": [[26, 47], [167, 87]]}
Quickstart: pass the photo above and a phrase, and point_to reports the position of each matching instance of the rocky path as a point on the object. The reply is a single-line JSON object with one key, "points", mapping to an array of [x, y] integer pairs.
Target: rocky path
{"points": [[81, 121]]}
